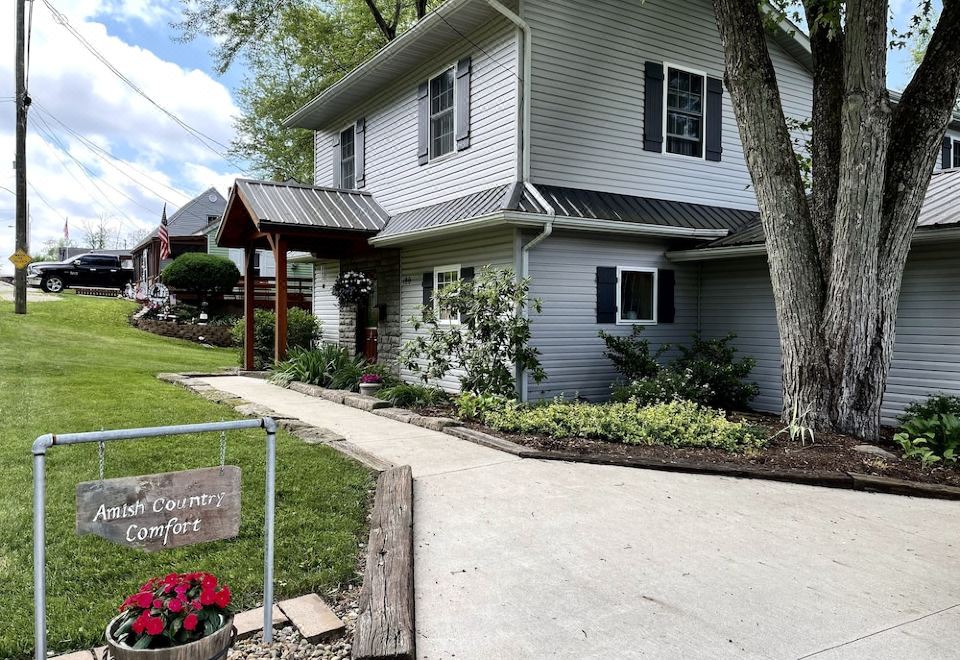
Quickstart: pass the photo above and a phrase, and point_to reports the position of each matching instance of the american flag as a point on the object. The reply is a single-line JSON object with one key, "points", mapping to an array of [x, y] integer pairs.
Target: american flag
{"points": [[164, 236]]}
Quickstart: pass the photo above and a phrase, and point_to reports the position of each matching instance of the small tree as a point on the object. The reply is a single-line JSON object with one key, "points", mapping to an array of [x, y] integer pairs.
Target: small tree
{"points": [[202, 274], [489, 341]]}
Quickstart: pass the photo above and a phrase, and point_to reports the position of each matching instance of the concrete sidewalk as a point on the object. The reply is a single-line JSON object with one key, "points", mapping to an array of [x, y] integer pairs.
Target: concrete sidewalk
{"points": [[518, 558]]}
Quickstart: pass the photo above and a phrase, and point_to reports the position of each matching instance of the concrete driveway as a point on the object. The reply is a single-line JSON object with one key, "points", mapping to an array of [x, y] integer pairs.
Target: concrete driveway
{"points": [[517, 558]]}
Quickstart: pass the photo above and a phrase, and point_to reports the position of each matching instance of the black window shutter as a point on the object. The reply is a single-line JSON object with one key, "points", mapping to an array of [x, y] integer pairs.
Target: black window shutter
{"points": [[945, 160], [423, 123], [653, 107], [428, 288], [666, 284], [606, 294], [466, 273], [463, 103], [714, 118], [359, 153], [336, 160]]}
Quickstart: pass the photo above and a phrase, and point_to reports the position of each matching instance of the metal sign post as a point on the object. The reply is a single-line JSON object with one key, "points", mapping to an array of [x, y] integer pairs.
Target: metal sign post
{"points": [[45, 442]]}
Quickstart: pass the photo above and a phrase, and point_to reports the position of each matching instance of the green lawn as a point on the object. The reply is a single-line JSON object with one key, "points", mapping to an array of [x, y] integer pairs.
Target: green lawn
{"points": [[76, 365]]}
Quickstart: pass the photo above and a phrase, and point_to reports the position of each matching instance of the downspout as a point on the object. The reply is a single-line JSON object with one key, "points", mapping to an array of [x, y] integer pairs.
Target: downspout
{"points": [[525, 264], [527, 65]]}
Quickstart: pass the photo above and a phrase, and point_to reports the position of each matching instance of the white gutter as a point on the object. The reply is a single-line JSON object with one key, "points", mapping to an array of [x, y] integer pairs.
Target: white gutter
{"points": [[711, 254], [525, 263], [527, 59]]}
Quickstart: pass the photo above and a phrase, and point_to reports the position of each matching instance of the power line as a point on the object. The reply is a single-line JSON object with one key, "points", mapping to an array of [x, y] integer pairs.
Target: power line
{"points": [[112, 160], [43, 199], [474, 44], [195, 133]]}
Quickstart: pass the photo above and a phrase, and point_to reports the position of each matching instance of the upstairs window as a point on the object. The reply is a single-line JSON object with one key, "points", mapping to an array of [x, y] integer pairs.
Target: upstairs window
{"points": [[637, 295], [684, 113], [348, 161], [956, 153], [442, 114]]}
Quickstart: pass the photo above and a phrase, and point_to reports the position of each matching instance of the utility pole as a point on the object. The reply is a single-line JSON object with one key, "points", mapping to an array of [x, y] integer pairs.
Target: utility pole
{"points": [[22, 101]]}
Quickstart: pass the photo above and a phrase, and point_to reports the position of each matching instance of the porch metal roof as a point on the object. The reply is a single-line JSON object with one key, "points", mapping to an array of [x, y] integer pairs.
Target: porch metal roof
{"points": [[310, 206]]}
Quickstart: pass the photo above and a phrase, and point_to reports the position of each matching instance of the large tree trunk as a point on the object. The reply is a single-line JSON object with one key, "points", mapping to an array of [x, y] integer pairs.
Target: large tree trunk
{"points": [[836, 262]]}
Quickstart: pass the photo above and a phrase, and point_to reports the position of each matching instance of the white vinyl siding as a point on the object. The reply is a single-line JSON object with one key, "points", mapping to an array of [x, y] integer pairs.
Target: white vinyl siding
{"points": [[393, 173], [588, 92], [325, 306], [737, 297], [476, 249]]}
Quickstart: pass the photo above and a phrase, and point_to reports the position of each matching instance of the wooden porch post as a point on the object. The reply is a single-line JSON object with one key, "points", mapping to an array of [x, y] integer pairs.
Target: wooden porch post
{"points": [[280, 331], [249, 275]]}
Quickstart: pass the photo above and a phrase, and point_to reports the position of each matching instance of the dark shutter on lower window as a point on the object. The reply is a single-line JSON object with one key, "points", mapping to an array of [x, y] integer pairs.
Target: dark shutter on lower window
{"points": [[466, 273], [714, 119], [666, 308], [428, 288], [336, 160], [423, 123], [945, 155], [606, 294], [653, 107], [463, 103], [359, 153]]}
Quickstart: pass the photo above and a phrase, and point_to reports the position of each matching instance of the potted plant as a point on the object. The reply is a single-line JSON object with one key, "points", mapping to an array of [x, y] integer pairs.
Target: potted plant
{"points": [[370, 384], [352, 287], [183, 616]]}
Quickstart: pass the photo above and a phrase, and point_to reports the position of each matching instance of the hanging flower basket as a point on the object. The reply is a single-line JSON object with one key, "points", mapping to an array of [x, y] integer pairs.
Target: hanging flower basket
{"points": [[183, 616], [352, 287]]}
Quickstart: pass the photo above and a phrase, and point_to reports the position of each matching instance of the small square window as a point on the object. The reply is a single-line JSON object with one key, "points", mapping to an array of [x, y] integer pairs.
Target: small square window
{"points": [[442, 114], [348, 179], [684, 115], [637, 295], [445, 276]]}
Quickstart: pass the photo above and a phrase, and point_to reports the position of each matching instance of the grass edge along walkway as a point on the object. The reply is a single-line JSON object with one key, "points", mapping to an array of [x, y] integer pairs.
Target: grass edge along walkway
{"points": [[77, 365]]}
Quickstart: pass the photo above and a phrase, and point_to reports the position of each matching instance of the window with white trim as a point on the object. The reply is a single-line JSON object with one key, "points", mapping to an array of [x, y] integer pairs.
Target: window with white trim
{"points": [[956, 153], [684, 116], [348, 161], [444, 276], [636, 295], [442, 114]]}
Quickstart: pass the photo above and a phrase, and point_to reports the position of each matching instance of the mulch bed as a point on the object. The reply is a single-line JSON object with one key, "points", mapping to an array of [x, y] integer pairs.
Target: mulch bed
{"points": [[830, 453]]}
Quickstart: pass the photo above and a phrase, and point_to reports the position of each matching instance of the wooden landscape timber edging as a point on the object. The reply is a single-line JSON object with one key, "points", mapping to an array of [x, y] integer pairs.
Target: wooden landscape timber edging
{"points": [[385, 623]]}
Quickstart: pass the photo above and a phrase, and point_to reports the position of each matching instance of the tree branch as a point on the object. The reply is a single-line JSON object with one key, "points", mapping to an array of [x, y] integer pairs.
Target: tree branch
{"points": [[388, 31], [421, 8]]}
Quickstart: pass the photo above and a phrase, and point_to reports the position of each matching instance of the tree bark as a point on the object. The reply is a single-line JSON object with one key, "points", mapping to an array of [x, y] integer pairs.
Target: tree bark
{"points": [[389, 31]]}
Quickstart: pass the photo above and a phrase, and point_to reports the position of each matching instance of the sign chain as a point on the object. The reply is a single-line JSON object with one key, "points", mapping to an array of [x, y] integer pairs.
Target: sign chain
{"points": [[223, 450], [100, 457]]}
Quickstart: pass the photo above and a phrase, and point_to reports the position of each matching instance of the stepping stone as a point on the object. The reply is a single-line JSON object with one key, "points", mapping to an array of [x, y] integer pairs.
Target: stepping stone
{"points": [[312, 617], [873, 450], [79, 655], [249, 623]]}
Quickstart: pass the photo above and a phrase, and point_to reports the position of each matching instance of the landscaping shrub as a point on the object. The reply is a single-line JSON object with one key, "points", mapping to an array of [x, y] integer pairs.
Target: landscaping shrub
{"points": [[328, 365], [932, 439], [936, 404], [488, 342], [201, 273], [667, 385], [302, 330], [712, 366], [675, 424], [408, 395], [631, 355], [475, 407]]}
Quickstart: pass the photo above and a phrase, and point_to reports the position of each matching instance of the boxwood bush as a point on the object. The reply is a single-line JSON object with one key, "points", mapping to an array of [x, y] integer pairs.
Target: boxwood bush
{"points": [[303, 328]]}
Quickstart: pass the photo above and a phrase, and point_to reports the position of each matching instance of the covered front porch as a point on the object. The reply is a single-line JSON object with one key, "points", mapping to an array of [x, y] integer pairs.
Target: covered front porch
{"points": [[288, 217]]}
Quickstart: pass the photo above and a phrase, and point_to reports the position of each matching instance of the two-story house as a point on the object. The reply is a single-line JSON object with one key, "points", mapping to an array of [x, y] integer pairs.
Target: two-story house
{"points": [[592, 148]]}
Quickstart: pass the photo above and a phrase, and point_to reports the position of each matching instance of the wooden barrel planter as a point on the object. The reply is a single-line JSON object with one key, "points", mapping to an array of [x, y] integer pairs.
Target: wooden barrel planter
{"points": [[212, 647]]}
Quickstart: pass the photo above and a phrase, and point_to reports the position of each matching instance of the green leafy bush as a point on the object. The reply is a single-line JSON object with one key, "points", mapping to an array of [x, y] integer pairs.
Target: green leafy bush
{"points": [[475, 407], [631, 355], [303, 328], [408, 395], [490, 339], [327, 365], [931, 439], [937, 404], [712, 364], [676, 424], [201, 273], [667, 385]]}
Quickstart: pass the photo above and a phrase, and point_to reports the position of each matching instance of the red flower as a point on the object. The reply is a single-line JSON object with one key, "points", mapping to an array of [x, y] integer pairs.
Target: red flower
{"points": [[155, 625], [207, 596], [223, 597], [175, 605], [196, 604], [190, 622], [139, 625], [157, 604], [144, 599], [208, 581]]}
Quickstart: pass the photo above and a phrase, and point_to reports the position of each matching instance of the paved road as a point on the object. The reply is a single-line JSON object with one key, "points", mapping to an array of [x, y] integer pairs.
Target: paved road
{"points": [[536, 559], [33, 295]]}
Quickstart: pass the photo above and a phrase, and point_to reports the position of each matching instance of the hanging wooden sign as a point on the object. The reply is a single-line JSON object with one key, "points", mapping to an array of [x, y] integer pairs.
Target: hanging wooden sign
{"points": [[162, 511]]}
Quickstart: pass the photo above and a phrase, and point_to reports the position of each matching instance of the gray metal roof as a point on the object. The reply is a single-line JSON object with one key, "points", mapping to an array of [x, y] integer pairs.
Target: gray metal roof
{"points": [[311, 206], [570, 203], [941, 207]]}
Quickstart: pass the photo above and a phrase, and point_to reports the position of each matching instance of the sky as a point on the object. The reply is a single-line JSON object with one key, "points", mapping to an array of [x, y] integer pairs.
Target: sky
{"points": [[81, 111]]}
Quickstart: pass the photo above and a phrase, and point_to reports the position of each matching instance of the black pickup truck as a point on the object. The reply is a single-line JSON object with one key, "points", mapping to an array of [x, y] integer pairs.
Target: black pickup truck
{"points": [[90, 269]]}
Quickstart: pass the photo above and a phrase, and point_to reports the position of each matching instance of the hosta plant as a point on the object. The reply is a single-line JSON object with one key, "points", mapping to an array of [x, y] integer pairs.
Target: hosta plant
{"points": [[172, 611]]}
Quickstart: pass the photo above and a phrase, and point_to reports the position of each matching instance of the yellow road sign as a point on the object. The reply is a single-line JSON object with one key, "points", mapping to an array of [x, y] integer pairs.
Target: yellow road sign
{"points": [[20, 259]]}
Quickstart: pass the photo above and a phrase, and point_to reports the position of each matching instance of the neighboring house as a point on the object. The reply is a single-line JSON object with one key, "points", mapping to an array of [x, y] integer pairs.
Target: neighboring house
{"points": [[185, 228], [592, 149]]}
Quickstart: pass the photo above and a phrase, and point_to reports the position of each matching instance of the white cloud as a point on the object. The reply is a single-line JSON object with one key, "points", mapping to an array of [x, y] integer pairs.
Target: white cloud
{"points": [[69, 83]]}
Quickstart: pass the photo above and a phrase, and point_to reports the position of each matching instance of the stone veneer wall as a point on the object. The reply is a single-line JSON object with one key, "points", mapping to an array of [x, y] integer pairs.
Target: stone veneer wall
{"points": [[385, 265], [212, 334]]}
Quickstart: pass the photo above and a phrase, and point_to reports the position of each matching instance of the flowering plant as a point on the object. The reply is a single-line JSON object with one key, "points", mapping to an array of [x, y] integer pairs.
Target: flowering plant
{"points": [[371, 379], [172, 611], [352, 287]]}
